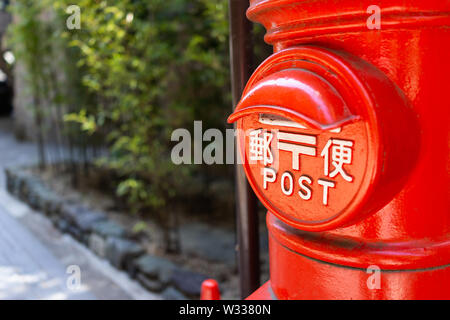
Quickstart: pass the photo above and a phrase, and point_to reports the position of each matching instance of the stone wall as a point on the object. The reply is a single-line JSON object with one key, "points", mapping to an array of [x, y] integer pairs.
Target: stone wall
{"points": [[24, 127], [107, 239], [5, 19]]}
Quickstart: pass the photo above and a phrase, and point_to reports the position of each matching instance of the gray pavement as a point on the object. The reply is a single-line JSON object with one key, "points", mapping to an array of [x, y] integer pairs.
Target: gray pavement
{"points": [[36, 260]]}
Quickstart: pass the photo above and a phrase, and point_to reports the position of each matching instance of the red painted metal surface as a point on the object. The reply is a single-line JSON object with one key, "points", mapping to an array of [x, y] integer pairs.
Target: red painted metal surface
{"points": [[353, 128]]}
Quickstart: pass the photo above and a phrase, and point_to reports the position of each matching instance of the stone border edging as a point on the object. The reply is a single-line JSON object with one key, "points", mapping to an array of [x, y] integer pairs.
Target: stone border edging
{"points": [[105, 238]]}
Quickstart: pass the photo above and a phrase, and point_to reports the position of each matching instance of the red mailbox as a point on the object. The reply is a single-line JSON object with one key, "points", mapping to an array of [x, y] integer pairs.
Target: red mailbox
{"points": [[344, 137]]}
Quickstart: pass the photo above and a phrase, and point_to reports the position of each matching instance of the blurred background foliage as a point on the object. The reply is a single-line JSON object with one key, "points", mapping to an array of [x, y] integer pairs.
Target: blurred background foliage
{"points": [[134, 72], [107, 96]]}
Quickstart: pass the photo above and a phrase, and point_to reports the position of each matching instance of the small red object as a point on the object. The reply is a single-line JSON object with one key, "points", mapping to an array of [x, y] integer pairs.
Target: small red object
{"points": [[210, 290]]}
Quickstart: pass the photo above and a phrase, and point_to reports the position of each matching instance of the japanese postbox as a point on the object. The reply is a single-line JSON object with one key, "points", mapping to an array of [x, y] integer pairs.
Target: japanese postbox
{"points": [[343, 133]]}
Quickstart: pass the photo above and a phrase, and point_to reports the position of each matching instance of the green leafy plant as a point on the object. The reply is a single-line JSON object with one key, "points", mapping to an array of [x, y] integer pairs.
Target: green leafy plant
{"points": [[134, 72]]}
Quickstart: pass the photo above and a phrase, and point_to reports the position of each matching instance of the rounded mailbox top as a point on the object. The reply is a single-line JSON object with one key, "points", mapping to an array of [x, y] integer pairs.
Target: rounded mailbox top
{"points": [[292, 22], [310, 136]]}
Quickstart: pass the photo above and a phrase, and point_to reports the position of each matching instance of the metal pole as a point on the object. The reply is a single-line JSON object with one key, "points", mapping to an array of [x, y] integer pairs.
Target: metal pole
{"points": [[241, 53]]}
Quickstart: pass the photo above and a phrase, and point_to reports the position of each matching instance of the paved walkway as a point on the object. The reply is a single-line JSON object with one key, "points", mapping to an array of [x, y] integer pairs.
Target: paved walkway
{"points": [[36, 259]]}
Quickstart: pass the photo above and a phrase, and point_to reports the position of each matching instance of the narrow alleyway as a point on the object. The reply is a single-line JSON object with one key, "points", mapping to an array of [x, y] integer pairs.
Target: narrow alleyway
{"points": [[34, 256]]}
